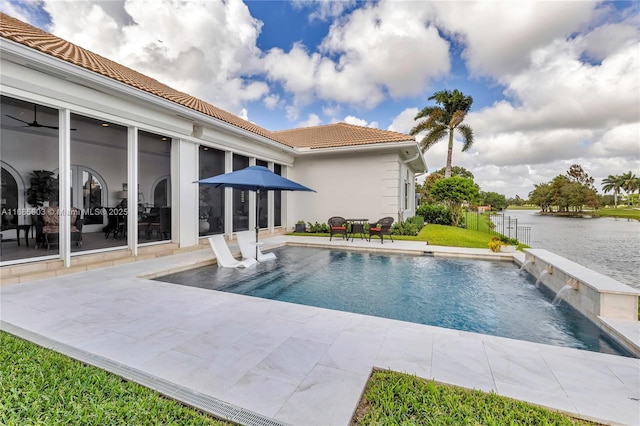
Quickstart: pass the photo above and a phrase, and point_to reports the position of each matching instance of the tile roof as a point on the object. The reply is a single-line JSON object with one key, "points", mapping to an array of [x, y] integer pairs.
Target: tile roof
{"points": [[339, 135], [333, 135]]}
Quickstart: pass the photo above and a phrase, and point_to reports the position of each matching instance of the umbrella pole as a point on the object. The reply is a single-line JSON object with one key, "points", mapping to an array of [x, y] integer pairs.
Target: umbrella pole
{"points": [[257, 218]]}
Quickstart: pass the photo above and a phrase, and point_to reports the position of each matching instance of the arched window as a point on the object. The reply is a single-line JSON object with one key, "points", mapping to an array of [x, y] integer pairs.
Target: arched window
{"points": [[162, 192], [10, 196], [89, 194]]}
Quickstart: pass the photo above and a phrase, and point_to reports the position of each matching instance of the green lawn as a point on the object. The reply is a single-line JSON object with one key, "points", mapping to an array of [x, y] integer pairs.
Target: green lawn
{"points": [[442, 235], [399, 399], [625, 213], [42, 387]]}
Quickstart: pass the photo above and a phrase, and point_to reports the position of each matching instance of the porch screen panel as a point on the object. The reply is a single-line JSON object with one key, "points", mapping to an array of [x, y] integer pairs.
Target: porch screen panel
{"points": [[211, 200], [29, 159], [154, 186], [99, 182], [240, 198]]}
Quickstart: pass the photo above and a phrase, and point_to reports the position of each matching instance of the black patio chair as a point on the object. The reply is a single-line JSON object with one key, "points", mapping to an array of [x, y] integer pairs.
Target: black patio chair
{"points": [[381, 228], [337, 225]]}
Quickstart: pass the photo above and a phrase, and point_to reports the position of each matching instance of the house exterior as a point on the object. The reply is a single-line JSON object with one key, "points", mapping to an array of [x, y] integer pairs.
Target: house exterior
{"points": [[126, 149]]}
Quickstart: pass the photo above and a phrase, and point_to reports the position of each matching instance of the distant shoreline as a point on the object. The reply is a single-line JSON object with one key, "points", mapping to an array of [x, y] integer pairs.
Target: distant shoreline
{"points": [[626, 213]]}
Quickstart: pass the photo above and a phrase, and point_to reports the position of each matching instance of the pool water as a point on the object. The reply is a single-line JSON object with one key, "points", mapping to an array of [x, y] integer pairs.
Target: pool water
{"points": [[471, 295]]}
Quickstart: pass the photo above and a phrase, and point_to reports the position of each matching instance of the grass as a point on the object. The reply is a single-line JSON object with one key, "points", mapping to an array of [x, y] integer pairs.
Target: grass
{"points": [[527, 207], [42, 387], [624, 213], [442, 235], [399, 399]]}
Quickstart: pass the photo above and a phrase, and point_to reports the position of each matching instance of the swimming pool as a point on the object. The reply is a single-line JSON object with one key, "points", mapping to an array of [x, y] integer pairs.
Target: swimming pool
{"points": [[471, 295]]}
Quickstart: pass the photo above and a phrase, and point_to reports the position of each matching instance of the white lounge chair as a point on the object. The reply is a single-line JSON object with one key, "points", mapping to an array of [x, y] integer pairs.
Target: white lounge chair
{"points": [[248, 247], [224, 256]]}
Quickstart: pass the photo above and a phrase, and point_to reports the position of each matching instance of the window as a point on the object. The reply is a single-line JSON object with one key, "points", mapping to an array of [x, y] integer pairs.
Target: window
{"points": [[9, 198], [88, 192], [211, 200]]}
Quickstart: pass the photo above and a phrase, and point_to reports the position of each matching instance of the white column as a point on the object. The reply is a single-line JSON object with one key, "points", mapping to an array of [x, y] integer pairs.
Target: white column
{"points": [[184, 200], [64, 182], [132, 179]]}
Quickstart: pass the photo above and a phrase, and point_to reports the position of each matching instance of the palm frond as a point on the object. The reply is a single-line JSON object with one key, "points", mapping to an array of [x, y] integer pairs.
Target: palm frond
{"points": [[435, 135], [467, 136], [432, 121], [426, 112]]}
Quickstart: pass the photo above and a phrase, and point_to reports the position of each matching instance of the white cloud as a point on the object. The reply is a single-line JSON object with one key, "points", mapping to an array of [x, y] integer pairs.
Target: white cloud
{"points": [[404, 121], [272, 101], [203, 48], [350, 119], [499, 36], [295, 70], [331, 110], [311, 121]]}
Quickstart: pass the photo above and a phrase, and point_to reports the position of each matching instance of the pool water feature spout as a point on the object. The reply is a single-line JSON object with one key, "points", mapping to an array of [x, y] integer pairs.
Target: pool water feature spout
{"points": [[524, 265], [561, 294], [547, 270]]}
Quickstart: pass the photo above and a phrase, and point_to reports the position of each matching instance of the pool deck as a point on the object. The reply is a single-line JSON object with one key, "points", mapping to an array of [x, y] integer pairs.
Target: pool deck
{"points": [[267, 362]]}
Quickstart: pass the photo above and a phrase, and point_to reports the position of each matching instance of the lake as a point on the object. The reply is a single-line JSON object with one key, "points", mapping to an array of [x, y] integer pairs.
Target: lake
{"points": [[608, 245]]}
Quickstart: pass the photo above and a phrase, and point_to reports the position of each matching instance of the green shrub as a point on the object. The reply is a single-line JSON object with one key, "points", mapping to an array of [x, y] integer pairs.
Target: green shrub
{"points": [[511, 241], [417, 220], [406, 227], [318, 228], [435, 214]]}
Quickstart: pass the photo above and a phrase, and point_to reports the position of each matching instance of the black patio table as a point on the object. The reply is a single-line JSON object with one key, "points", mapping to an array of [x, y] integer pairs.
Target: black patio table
{"points": [[357, 227]]}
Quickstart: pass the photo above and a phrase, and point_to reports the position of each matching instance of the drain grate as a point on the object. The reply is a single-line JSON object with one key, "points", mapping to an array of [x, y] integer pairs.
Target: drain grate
{"points": [[187, 396]]}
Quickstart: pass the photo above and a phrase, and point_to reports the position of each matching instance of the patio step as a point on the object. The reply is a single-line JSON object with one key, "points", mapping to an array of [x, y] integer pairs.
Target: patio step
{"points": [[42, 269]]}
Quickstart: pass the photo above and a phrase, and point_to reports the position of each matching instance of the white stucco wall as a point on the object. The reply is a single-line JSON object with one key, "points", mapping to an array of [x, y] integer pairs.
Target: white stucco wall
{"points": [[351, 185]]}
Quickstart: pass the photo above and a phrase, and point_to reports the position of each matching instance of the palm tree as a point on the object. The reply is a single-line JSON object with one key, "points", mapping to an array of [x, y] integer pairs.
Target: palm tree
{"points": [[630, 184], [613, 183], [440, 121]]}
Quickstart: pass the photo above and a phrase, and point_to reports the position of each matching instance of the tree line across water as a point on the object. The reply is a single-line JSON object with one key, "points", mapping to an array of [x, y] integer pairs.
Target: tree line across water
{"points": [[575, 190]]}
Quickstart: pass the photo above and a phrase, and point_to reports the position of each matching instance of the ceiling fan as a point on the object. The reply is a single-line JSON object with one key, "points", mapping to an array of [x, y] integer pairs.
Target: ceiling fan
{"points": [[35, 121]]}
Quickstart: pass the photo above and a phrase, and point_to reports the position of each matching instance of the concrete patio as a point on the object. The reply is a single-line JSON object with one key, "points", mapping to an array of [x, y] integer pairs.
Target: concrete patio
{"points": [[270, 362]]}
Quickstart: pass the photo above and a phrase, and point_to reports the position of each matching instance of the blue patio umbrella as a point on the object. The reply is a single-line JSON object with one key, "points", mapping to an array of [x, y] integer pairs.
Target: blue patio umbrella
{"points": [[254, 178]]}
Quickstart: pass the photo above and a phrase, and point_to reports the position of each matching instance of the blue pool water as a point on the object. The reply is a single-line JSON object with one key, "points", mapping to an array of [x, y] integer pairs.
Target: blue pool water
{"points": [[478, 296]]}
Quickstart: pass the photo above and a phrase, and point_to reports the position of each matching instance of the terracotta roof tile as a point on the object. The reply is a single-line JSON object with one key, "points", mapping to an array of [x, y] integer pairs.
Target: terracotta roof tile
{"points": [[333, 135], [338, 135]]}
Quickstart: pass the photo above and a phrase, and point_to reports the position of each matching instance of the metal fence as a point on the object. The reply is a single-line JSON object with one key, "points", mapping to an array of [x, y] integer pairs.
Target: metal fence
{"points": [[499, 224]]}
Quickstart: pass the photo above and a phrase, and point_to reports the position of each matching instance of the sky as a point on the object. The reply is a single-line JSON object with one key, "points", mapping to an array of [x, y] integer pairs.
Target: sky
{"points": [[554, 83]]}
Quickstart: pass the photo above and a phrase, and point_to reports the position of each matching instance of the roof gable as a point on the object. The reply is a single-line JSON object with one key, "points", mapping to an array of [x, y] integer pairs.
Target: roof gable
{"points": [[339, 135]]}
